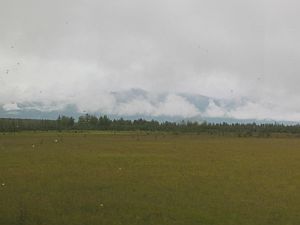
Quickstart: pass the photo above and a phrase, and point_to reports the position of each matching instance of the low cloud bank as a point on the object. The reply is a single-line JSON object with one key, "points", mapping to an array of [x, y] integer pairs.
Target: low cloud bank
{"points": [[139, 103]]}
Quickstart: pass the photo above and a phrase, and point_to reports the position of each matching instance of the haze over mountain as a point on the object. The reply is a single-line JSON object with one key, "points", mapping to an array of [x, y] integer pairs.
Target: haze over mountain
{"points": [[137, 103], [161, 59]]}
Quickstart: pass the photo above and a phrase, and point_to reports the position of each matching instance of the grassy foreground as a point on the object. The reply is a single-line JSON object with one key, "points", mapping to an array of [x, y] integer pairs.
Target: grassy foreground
{"points": [[154, 179]]}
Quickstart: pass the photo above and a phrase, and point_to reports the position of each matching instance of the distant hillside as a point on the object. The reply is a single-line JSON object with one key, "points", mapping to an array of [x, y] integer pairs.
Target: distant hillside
{"points": [[136, 103]]}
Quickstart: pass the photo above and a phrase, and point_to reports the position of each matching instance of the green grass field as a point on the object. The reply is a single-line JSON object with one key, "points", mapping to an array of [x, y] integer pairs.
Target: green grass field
{"points": [[148, 179]]}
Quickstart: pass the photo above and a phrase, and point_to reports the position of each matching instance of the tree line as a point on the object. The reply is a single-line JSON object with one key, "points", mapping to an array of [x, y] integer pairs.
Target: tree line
{"points": [[91, 122]]}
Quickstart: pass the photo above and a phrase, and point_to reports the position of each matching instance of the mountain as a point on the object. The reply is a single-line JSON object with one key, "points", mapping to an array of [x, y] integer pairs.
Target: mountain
{"points": [[138, 103]]}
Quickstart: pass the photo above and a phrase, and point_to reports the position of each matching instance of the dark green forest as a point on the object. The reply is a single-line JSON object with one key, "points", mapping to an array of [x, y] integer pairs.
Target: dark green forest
{"points": [[102, 123]]}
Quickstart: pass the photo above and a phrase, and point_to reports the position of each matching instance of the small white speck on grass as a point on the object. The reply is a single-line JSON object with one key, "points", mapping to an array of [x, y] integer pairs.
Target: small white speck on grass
{"points": [[55, 141], [33, 146], [3, 184], [101, 205], [120, 168]]}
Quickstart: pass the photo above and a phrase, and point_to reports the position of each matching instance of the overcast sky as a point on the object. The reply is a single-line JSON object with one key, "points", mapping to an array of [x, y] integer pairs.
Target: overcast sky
{"points": [[79, 52]]}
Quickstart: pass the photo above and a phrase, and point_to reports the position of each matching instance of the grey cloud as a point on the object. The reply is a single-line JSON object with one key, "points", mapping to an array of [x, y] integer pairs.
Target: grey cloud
{"points": [[79, 52]]}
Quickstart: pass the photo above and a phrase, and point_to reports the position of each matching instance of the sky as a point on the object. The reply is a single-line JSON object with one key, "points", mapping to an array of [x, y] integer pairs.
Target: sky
{"points": [[242, 53]]}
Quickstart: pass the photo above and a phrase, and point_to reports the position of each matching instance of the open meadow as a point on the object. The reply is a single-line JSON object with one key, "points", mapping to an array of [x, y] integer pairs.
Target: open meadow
{"points": [[137, 178]]}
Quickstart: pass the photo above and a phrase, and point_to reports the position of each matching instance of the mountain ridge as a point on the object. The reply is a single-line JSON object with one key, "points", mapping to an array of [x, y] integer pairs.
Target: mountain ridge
{"points": [[138, 103]]}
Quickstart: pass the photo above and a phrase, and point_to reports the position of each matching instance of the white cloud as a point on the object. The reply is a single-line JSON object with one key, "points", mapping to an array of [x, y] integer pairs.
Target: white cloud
{"points": [[10, 107], [214, 110], [261, 111], [172, 105], [175, 105], [135, 107]]}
